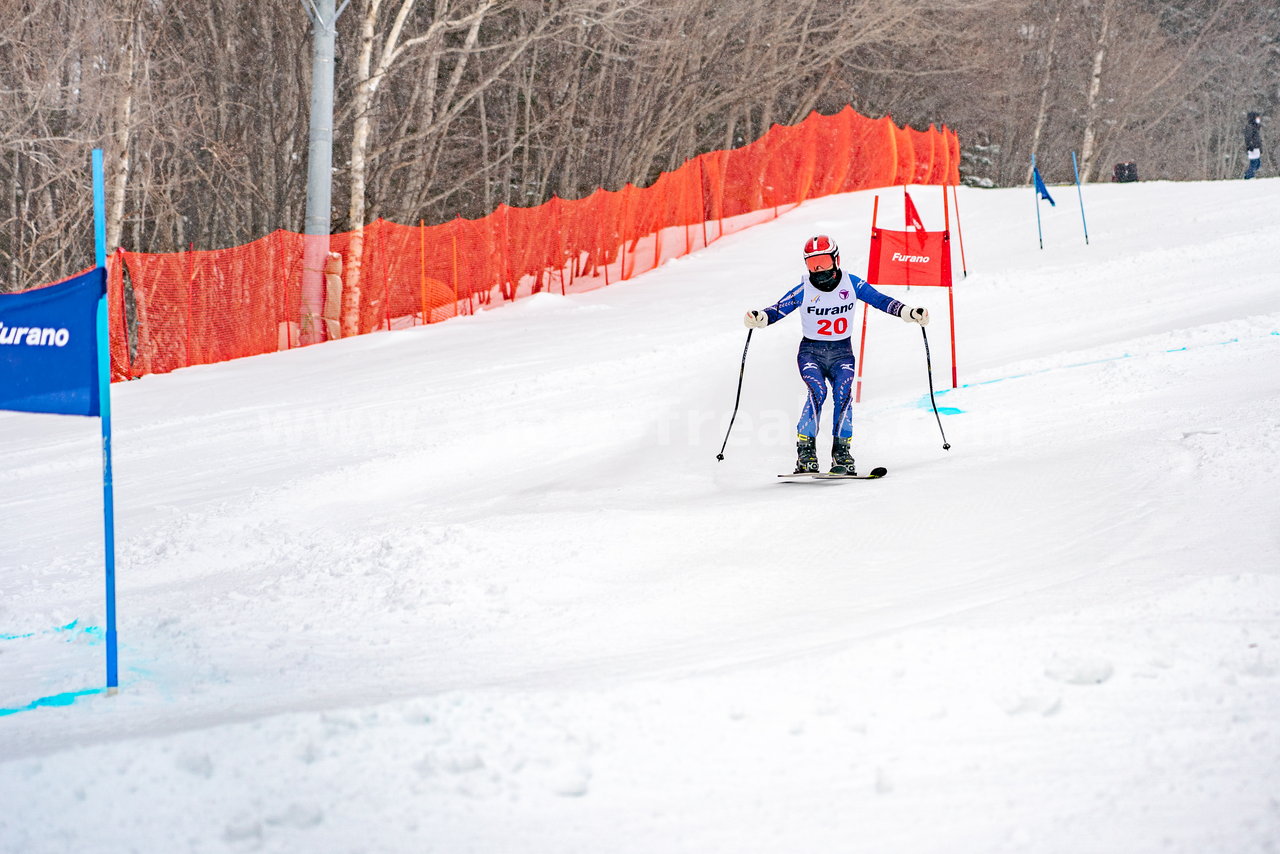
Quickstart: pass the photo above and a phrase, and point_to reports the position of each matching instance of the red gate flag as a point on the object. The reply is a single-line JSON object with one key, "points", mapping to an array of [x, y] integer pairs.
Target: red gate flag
{"points": [[912, 215], [915, 257]]}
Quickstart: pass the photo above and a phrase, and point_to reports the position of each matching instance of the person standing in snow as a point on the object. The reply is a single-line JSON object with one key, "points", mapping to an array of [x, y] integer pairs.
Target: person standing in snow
{"points": [[829, 295], [1253, 143]]}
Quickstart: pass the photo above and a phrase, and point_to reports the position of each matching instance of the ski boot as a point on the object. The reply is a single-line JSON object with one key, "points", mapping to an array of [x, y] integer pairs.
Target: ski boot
{"points": [[841, 460], [806, 455]]}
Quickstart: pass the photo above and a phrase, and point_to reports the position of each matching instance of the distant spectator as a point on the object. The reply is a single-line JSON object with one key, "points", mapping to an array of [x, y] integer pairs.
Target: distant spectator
{"points": [[1253, 143]]}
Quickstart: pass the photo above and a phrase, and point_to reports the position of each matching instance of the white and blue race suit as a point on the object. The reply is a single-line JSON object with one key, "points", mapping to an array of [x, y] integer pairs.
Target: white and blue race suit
{"points": [[826, 354]]}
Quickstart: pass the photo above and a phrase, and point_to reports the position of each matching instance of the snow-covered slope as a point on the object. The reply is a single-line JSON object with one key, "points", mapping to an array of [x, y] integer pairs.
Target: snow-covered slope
{"points": [[482, 586]]}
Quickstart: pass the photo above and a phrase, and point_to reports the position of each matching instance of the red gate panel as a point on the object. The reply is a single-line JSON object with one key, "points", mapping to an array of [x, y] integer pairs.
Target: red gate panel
{"points": [[918, 258]]}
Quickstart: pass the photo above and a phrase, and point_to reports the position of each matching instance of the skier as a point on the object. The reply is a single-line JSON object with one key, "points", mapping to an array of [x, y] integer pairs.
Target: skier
{"points": [[1253, 143], [829, 296]]}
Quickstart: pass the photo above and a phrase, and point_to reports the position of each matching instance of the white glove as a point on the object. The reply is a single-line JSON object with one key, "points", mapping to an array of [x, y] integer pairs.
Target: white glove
{"points": [[915, 315], [756, 319]]}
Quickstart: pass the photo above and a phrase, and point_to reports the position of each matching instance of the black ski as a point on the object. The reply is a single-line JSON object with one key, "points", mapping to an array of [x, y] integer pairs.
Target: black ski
{"points": [[876, 473]]}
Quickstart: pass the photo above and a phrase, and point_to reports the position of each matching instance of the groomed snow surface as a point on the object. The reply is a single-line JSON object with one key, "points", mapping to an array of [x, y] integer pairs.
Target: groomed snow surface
{"points": [[482, 586]]}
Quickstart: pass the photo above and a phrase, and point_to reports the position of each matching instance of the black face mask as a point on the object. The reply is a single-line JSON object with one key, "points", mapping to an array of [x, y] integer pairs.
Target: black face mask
{"points": [[825, 280]]}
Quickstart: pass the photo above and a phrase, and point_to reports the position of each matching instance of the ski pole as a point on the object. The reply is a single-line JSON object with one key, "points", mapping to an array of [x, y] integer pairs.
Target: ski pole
{"points": [[1080, 196], [928, 362], [741, 371]]}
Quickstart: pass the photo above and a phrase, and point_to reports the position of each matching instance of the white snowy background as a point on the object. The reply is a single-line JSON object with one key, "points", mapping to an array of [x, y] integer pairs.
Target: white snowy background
{"points": [[483, 586]]}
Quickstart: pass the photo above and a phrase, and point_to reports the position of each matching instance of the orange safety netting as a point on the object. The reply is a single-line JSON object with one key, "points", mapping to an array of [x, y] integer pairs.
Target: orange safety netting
{"points": [[193, 308]]}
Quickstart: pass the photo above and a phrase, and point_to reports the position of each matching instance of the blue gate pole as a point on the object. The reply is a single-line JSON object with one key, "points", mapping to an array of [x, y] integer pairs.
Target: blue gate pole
{"points": [[1035, 194], [1081, 197], [104, 412]]}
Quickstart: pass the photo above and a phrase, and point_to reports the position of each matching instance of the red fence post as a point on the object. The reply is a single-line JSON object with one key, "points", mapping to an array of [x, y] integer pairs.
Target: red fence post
{"points": [[470, 308], [190, 281], [422, 270]]}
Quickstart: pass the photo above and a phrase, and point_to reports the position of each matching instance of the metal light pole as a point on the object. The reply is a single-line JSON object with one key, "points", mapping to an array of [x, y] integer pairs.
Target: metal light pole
{"points": [[319, 166]]}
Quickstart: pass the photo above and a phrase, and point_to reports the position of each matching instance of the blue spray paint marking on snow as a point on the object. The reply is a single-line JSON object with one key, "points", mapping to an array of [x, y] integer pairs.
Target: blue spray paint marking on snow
{"points": [[64, 699], [94, 633], [925, 403], [76, 633]]}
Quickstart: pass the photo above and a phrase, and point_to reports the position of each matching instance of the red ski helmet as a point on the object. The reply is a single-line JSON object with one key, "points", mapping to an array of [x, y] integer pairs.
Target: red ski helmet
{"points": [[821, 245]]}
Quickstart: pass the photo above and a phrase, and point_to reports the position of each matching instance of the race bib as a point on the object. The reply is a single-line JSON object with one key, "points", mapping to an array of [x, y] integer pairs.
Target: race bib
{"points": [[828, 316]]}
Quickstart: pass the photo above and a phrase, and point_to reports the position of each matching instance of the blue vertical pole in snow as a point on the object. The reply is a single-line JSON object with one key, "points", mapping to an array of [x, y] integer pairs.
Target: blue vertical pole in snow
{"points": [[1081, 197], [104, 408], [1035, 194]]}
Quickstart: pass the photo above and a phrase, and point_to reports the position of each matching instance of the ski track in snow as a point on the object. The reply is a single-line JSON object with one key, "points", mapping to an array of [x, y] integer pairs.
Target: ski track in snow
{"points": [[482, 586]]}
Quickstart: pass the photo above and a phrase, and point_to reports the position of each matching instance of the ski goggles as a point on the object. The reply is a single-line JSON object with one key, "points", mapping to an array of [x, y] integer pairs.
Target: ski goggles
{"points": [[818, 263]]}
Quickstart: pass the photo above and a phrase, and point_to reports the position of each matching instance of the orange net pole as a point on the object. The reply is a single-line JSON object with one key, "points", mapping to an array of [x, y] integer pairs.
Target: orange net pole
{"points": [[422, 271]]}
